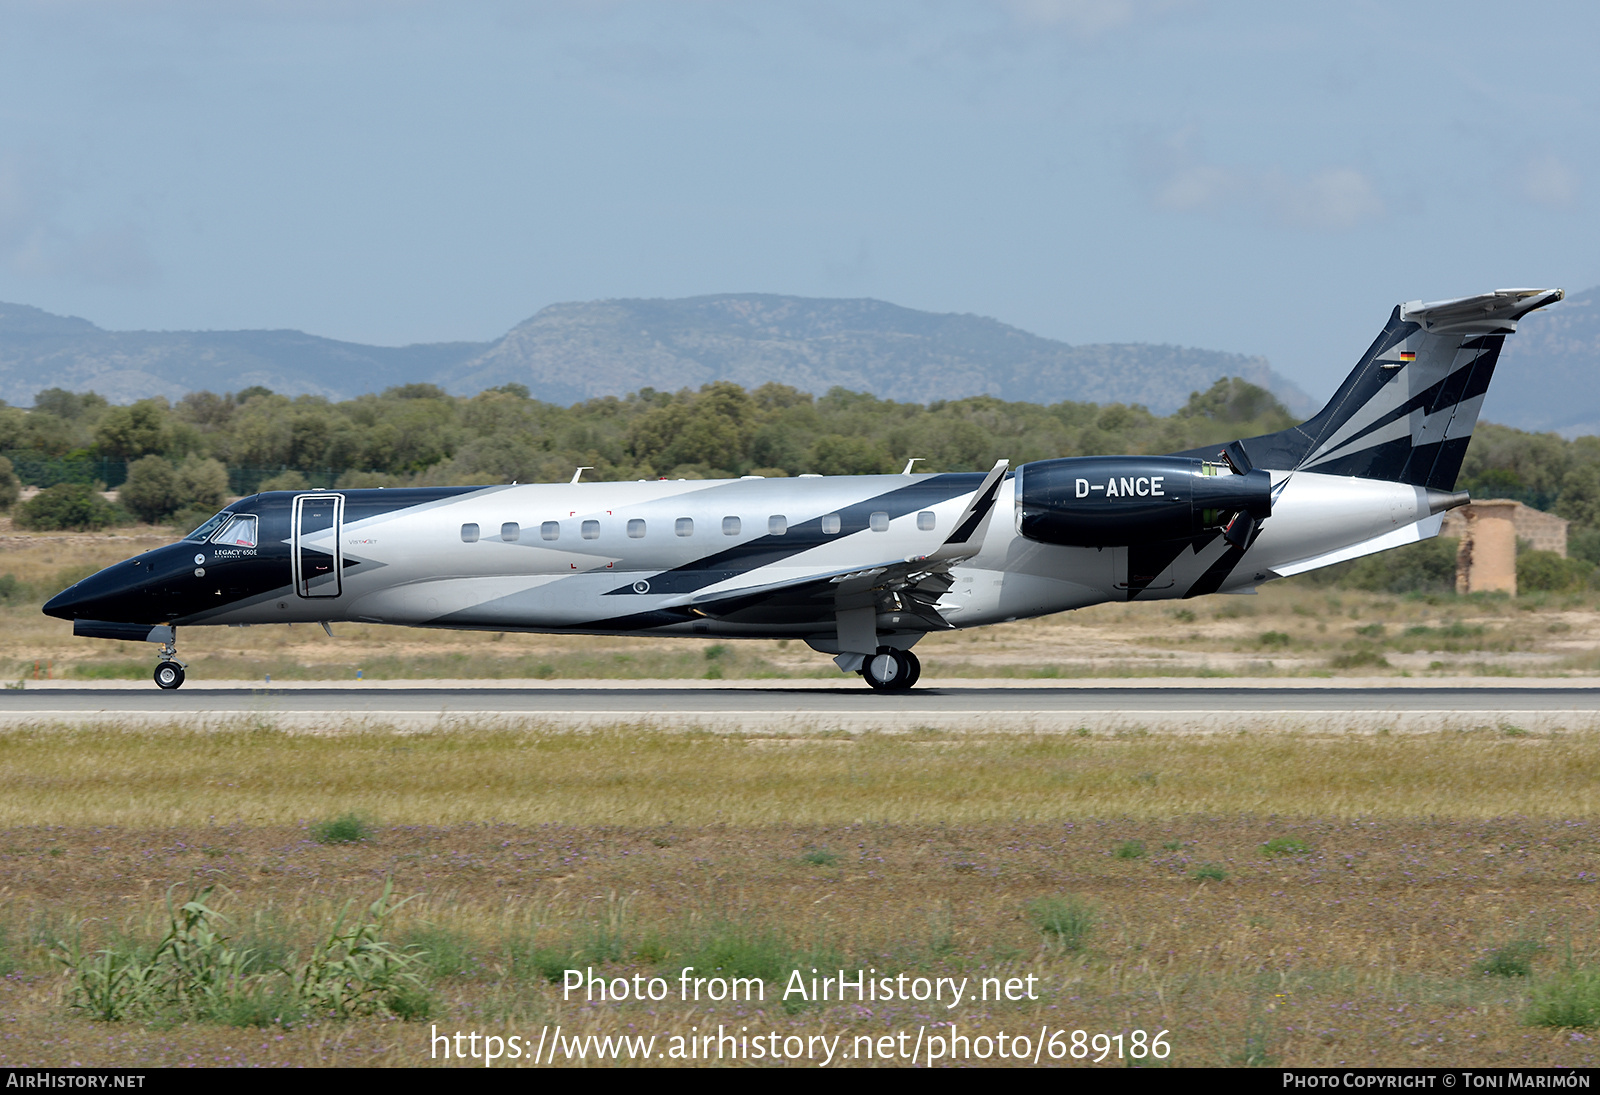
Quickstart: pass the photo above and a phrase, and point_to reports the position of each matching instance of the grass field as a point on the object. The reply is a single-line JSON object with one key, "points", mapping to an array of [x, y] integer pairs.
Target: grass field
{"points": [[1302, 900]]}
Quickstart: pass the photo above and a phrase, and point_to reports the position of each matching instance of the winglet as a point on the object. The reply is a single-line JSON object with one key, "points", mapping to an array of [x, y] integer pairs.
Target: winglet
{"points": [[973, 523]]}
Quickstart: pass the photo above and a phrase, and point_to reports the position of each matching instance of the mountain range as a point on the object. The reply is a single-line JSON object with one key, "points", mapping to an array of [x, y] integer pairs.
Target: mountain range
{"points": [[575, 351], [571, 352]]}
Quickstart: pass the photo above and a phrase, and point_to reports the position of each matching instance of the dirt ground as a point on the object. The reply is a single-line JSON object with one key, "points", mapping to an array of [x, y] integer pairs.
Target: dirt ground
{"points": [[1264, 899], [1368, 947]]}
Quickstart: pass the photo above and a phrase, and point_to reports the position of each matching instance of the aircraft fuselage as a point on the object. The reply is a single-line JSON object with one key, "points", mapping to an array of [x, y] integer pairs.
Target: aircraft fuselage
{"points": [[672, 558]]}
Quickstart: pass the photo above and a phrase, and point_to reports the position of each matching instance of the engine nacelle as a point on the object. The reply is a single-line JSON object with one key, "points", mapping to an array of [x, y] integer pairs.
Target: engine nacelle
{"points": [[1115, 501]]}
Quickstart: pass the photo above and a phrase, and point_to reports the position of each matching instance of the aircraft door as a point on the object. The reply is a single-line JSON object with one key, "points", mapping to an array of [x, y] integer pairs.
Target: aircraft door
{"points": [[318, 562]]}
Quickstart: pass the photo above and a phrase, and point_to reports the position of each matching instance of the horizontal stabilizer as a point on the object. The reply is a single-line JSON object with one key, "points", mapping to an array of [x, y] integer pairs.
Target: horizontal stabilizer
{"points": [[1486, 313]]}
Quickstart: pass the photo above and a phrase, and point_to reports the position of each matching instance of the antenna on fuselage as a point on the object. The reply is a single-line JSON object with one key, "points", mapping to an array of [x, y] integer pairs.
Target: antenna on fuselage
{"points": [[577, 475], [913, 460]]}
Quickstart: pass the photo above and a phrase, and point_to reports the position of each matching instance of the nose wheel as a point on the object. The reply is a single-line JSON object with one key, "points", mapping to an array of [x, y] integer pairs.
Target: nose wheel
{"points": [[891, 670], [169, 670]]}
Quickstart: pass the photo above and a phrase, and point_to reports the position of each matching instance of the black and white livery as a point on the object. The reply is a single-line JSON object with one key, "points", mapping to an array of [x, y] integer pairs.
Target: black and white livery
{"points": [[860, 567]]}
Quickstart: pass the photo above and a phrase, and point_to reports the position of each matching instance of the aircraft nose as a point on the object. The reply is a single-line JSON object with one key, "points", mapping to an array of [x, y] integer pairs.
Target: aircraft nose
{"points": [[64, 605], [107, 595]]}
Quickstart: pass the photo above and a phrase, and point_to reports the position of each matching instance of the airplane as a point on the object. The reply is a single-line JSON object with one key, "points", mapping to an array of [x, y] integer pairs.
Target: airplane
{"points": [[858, 566]]}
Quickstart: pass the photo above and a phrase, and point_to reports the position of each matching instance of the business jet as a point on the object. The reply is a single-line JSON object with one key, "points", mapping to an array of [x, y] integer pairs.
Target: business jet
{"points": [[858, 566]]}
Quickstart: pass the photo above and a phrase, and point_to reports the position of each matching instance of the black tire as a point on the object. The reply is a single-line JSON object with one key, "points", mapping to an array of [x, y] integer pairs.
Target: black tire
{"points": [[913, 668], [888, 670], [169, 675]]}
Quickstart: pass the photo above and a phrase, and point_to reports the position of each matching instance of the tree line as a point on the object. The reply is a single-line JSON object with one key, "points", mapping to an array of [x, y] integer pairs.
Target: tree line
{"points": [[171, 461]]}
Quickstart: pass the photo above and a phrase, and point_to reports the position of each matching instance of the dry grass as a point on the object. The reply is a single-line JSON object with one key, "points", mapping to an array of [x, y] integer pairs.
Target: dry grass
{"points": [[1369, 882], [1365, 952], [1413, 878], [635, 776]]}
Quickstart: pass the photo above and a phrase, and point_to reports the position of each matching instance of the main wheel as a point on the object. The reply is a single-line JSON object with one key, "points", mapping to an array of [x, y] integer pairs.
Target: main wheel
{"points": [[914, 667], [169, 675], [888, 670]]}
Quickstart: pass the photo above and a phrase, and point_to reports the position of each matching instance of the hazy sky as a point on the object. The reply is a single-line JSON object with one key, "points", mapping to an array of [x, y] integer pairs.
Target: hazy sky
{"points": [[1260, 177]]}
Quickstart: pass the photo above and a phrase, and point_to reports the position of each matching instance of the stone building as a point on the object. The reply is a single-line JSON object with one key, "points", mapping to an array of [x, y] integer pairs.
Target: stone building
{"points": [[1489, 530]]}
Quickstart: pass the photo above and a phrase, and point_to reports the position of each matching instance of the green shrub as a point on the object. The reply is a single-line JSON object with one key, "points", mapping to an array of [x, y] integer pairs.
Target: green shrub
{"points": [[737, 951], [541, 963], [1512, 960], [1130, 849], [189, 518], [288, 480], [1584, 543], [266, 1007], [202, 483], [67, 506], [1571, 1000], [1274, 638], [447, 953], [151, 489], [1285, 845], [197, 973], [356, 972], [1425, 567], [10, 485], [12, 591], [347, 829], [1358, 659], [1547, 572], [1209, 872], [820, 857], [1067, 922]]}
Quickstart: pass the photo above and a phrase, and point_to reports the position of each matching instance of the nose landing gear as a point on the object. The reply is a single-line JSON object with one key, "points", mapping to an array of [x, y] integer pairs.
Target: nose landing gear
{"points": [[891, 670], [169, 670]]}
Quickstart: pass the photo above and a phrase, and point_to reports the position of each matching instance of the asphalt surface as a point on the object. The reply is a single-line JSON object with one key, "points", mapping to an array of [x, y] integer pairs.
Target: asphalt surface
{"points": [[1213, 706], [847, 698]]}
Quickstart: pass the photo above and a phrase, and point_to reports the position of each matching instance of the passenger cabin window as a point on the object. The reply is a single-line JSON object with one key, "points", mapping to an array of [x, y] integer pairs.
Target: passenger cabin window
{"points": [[510, 531], [730, 526], [777, 525], [240, 532], [550, 530], [830, 524], [684, 526], [469, 534], [925, 521], [636, 528], [879, 521], [590, 530]]}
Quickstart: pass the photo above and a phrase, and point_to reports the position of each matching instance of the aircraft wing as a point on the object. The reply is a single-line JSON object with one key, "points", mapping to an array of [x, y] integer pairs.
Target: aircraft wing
{"points": [[912, 585]]}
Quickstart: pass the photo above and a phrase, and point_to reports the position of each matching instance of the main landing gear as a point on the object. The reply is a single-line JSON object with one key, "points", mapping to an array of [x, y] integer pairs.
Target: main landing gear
{"points": [[169, 670], [891, 670]]}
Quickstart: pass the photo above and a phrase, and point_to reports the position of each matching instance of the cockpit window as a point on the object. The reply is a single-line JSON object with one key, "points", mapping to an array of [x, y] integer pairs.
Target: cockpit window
{"points": [[240, 532], [204, 531]]}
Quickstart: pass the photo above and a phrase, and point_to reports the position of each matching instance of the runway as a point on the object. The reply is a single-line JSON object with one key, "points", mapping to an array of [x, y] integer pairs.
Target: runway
{"points": [[812, 706]]}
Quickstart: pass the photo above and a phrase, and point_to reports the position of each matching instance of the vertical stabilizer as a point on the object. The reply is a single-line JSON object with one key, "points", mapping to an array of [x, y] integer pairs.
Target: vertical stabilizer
{"points": [[1407, 411]]}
